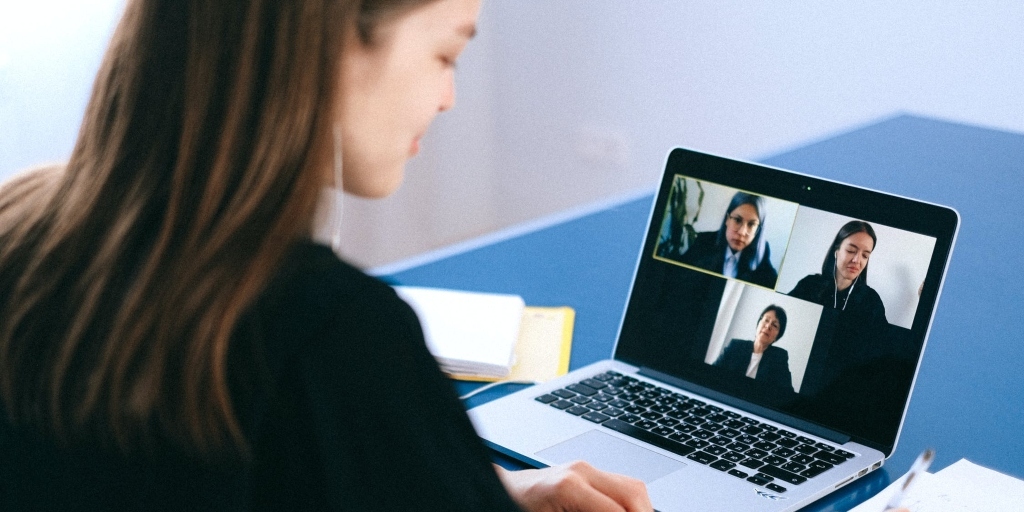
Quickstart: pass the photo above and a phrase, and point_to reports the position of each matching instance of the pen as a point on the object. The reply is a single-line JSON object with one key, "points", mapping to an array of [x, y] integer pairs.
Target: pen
{"points": [[920, 466]]}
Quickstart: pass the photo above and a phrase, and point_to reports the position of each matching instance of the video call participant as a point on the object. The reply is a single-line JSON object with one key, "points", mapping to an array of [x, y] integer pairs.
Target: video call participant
{"points": [[173, 338], [843, 281], [758, 359], [738, 249]]}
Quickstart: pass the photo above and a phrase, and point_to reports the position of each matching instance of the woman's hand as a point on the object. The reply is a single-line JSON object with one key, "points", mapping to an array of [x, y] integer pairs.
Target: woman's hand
{"points": [[576, 486]]}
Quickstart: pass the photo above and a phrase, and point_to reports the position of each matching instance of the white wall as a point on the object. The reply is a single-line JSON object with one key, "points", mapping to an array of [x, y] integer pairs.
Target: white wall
{"points": [[562, 103]]}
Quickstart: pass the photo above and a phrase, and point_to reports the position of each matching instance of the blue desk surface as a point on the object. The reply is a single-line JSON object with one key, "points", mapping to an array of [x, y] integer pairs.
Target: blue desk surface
{"points": [[968, 401]]}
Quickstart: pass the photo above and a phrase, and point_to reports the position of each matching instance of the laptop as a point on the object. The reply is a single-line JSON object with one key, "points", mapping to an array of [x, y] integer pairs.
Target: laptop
{"points": [[768, 348]]}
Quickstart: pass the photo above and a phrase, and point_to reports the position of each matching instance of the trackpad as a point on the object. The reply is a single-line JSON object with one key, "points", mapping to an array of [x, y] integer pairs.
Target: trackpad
{"points": [[612, 454]]}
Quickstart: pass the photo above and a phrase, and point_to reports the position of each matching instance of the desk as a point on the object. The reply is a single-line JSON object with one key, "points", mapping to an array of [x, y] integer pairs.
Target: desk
{"points": [[968, 398]]}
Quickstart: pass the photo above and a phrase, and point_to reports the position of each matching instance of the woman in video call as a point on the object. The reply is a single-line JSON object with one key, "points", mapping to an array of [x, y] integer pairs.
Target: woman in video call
{"points": [[176, 332], [758, 359], [843, 281], [738, 249]]}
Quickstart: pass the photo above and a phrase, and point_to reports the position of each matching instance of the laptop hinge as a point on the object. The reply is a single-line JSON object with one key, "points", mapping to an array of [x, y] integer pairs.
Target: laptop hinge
{"points": [[826, 433]]}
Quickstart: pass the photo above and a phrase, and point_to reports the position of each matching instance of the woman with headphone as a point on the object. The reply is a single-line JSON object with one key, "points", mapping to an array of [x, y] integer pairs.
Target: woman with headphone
{"points": [[843, 281]]}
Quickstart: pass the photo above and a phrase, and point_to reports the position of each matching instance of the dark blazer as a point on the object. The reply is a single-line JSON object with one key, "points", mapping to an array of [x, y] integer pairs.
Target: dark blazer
{"points": [[707, 254], [772, 370]]}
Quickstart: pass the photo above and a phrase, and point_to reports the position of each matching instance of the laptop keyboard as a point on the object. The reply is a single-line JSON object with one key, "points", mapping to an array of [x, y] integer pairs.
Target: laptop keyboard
{"points": [[725, 440]]}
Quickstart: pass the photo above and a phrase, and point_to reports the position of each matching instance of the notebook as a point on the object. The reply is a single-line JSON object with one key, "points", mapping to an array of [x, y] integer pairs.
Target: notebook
{"points": [[768, 348]]}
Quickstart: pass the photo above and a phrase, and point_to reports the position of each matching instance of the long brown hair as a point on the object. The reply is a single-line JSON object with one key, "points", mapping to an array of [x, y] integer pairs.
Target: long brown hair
{"points": [[123, 274]]}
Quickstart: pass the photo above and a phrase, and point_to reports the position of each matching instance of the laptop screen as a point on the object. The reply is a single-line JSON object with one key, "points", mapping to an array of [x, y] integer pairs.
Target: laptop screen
{"points": [[806, 298]]}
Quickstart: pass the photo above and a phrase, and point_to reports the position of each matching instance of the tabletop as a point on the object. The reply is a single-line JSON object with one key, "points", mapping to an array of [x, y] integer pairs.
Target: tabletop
{"points": [[967, 401]]}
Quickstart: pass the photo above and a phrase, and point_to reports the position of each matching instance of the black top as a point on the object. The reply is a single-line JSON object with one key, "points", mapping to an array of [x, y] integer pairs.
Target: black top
{"points": [[344, 407], [708, 254], [773, 369], [861, 302]]}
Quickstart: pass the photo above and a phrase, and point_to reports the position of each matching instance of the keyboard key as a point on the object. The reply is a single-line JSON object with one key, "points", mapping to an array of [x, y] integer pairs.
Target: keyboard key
{"points": [[788, 443], [745, 439], [679, 436], [650, 415], [764, 445], [712, 427], [561, 404], [644, 402], [792, 466], [577, 410], [563, 393], [604, 398], [823, 446], [785, 452], [546, 399], [734, 457], [774, 460], [755, 453], [714, 408], [803, 459], [703, 434], [634, 409], [766, 478], [580, 399], [776, 487], [582, 389], [663, 431], [604, 377], [716, 450], [697, 443], [751, 430], [728, 432], [630, 418], [844, 454], [731, 414], [613, 412], [597, 406], [702, 411], [737, 473], [619, 404], [687, 428], [643, 435], [807, 449], [668, 422], [594, 383], [661, 408], [770, 428], [786, 433], [812, 472], [769, 436], [806, 440], [750, 421], [830, 457], [645, 424], [702, 457], [720, 440], [757, 480], [596, 417], [782, 474], [752, 463], [718, 418], [738, 447], [723, 465], [820, 464]]}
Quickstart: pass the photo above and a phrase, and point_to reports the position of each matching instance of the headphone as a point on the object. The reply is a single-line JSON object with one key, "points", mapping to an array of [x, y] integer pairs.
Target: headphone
{"points": [[835, 281]]}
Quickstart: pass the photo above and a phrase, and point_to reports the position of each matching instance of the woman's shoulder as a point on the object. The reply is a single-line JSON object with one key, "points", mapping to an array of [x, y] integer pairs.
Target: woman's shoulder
{"points": [[314, 291]]}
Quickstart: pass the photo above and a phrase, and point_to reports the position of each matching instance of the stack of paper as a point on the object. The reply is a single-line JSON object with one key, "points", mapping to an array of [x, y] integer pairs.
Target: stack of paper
{"points": [[963, 486], [489, 337]]}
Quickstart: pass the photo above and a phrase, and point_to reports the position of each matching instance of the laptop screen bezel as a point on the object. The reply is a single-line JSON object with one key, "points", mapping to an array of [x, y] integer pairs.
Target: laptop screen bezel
{"points": [[939, 222]]}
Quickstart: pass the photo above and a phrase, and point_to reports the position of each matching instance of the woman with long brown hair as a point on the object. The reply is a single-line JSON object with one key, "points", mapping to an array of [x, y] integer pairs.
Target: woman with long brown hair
{"points": [[173, 333]]}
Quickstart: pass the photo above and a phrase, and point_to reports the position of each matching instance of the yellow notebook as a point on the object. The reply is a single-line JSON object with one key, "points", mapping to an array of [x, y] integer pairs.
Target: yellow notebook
{"points": [[543, 348]]}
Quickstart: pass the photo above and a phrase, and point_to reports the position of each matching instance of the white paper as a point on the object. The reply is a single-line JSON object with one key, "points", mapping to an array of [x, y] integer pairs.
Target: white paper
{"points": [[468, 332], [961, 487]]}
